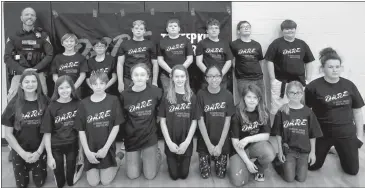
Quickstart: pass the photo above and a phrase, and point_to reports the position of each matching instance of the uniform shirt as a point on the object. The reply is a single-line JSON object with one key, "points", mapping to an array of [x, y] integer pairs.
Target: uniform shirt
{"points": [[214, 53], [108, 65], [174, 51], [29, 136], [214, 108], [240, 129], [136, 52], [69, 65], [248, 55], [333, 104], [141, 111], [178, 120], [289, 59], [33, 49], [297, 128], [59, 120]]}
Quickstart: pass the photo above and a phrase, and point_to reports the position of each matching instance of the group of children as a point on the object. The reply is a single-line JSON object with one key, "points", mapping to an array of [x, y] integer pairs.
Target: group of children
{"points": [[42, 132]]}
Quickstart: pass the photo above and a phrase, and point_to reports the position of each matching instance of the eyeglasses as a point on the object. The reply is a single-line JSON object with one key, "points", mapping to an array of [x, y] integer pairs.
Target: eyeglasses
{"points": [[213, 76], [100, 46], [245, 27], [295, 93]]}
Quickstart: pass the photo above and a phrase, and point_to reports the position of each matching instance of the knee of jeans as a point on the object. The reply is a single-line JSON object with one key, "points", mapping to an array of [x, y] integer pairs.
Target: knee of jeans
{"points": [[352, 171], [173, 175], [289, 178]]}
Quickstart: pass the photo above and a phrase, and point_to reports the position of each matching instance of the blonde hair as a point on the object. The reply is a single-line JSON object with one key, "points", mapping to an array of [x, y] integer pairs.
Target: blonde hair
{"points": [[68, 36], [285, 108], [171, 93]]}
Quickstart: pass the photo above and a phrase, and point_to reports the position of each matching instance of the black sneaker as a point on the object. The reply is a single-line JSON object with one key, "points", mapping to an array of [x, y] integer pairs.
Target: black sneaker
{"points": [[259, 177]]}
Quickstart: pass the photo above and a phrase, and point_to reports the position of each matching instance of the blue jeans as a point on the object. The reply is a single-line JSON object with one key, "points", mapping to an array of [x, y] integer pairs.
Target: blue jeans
{"points": [[295, 166]]}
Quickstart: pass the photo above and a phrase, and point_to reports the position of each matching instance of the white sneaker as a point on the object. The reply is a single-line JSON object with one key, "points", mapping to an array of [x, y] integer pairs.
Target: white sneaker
{"points": [[260, 177]]}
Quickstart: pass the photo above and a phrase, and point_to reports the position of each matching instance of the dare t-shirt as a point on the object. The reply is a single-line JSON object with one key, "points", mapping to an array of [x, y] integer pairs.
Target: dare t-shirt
{"points": [[140, 109], [69, 65], [297, 128], [254, 126], [174, 51], [178, 120], [98, 119], [333, 103], [108, 65], [29, 136], [214, 108], [248, 56], [289, 59], [136, 52], [59, 120], [214, 53]]}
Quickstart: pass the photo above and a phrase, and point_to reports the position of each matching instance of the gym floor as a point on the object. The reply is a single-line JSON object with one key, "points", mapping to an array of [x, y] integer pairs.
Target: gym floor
{"points": [[330, 175]]}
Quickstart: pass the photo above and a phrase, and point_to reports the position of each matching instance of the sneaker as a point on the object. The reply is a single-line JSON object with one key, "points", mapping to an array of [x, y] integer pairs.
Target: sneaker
{"points": [[260, 177]]}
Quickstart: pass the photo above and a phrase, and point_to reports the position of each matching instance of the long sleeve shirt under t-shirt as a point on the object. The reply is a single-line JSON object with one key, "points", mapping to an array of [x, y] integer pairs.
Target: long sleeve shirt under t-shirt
{"points": [[178, 120], [29, 136], [333, 104], [69, 65], [289, 59], [140, 109], [136, 52], [214, 53], [297, 128], [214, 108]]}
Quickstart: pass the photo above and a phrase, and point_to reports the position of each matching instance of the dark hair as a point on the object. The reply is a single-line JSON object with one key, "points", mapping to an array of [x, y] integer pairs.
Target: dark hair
{"points": [[212, 21], [261, 107], [101, 41], [213, 66], [171, 93], [327, 54], [288, 24], [241, 23], [99, 75], [174, 20], [61, 80], [42, 100]]}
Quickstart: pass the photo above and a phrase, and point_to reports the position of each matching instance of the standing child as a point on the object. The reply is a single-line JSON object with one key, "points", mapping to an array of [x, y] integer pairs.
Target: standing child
{"points": [[98, 119], [136, 50], [70, 62], [173, 50], [178, 122], [61, 138], [102, 62], [22, 118], [215, 108], [250, 131], [296, 129], [140, 103]]}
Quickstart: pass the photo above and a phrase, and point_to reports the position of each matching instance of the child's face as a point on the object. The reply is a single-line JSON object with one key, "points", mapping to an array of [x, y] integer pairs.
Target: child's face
{"points": [[332, 68], [251, 100], [138, 30], [214, 77], [173, 28], [295, 94], [139, 76], [99, 48], [179, 78], [245, 29], [289, 32], [64, 90], [29, 84], [98, 86], [213, 30], [69, 44]]}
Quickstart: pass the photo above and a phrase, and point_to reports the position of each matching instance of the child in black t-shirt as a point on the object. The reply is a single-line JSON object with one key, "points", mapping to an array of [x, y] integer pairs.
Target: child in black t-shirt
{"points": [[70, 63], [22, 118], [60, 136], [337, 103], [97, 120], [214, 51], [215, 108], [296, 129], [105, 63], [139, 104], [250, 130], [172, 50], [178, 122], [133, 51]]}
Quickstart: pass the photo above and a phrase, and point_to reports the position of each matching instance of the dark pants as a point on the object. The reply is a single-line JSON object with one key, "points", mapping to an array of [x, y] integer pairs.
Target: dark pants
{"points": [[22, 168], [220, 165], [70, 151], [347, 149], [178, 166]]}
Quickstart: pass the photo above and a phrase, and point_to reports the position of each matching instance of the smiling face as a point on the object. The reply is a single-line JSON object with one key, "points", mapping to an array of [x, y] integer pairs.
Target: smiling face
{"points": [[213, 77], [64, 90], [179, 78], [28, 17], [99, 48], [69, 44], [289, 33], [29, 84]]}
